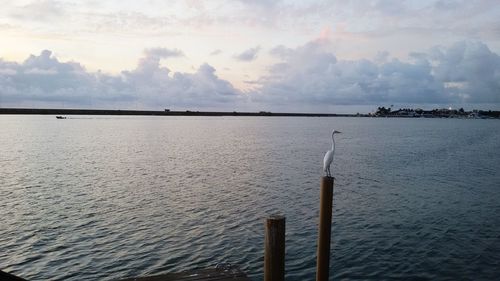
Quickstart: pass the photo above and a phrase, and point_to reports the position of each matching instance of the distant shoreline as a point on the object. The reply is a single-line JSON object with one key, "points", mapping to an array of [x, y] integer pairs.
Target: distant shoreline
{"points": [[59, 111], [166, 112]]}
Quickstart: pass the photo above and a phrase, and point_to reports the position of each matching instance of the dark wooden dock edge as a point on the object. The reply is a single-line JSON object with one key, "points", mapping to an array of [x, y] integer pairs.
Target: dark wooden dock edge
{"points": [[216, 274], [4, 276], [61, 111]]}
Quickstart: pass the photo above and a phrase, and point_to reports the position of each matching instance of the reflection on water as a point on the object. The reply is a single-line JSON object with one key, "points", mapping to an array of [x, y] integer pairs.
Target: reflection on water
{"points": [[106, 198]]}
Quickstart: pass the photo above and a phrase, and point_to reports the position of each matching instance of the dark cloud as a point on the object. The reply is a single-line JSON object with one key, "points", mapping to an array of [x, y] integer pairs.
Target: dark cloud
{"points": [[470, 71], [248, 55], [446, 5], [45, 81]]}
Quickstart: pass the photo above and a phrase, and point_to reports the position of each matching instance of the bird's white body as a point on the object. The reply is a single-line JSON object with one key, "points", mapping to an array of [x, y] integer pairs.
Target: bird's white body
{"points": [[327, 161]]}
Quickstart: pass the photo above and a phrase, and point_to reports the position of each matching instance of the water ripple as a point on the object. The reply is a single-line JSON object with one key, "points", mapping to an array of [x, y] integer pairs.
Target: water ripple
{"points": [[101, 199]]}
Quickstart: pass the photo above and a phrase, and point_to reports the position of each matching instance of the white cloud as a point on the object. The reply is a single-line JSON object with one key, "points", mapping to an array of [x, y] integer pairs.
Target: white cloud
{"points": [[163, 53], [40, 10], [311, 74], [248, 55], [216, 52], [40, 71], [44, 80], [7, 71]]}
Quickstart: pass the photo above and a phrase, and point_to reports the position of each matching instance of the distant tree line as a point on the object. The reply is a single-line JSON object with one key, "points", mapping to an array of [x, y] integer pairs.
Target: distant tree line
{"points": [[442, 112]]}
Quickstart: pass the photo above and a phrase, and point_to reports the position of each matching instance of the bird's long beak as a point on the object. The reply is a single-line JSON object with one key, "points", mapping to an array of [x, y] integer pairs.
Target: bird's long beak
{"points": [[337, 132]]}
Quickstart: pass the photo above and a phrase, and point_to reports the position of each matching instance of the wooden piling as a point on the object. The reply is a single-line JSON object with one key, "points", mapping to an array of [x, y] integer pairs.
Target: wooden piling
{"points": [[274, 256], [324, 228]]}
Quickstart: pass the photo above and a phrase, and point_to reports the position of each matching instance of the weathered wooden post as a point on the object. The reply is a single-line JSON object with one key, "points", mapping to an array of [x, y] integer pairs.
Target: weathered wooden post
{"points": [[274, 256], [324, 228]]}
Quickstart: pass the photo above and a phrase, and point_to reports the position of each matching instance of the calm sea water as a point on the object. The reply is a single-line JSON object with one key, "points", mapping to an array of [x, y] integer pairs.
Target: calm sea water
{"points": [[98, 198]]}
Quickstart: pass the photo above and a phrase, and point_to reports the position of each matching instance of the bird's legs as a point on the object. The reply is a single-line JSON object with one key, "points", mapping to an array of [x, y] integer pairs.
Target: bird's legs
{"points": [[328, 173]]}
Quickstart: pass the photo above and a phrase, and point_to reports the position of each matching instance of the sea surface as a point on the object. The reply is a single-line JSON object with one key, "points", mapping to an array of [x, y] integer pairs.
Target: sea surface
{"points": [[103, 198]]}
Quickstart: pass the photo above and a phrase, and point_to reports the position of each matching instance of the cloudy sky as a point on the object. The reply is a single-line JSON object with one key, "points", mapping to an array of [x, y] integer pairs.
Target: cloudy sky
{"points": [[305, 56]]}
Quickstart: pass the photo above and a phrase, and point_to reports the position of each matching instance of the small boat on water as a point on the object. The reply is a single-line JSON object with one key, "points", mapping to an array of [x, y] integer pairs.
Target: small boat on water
{"points": [[61, 117]]}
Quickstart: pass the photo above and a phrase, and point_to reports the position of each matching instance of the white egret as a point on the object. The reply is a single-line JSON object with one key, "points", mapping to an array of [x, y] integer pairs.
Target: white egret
{"points": [[327, 161]]}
